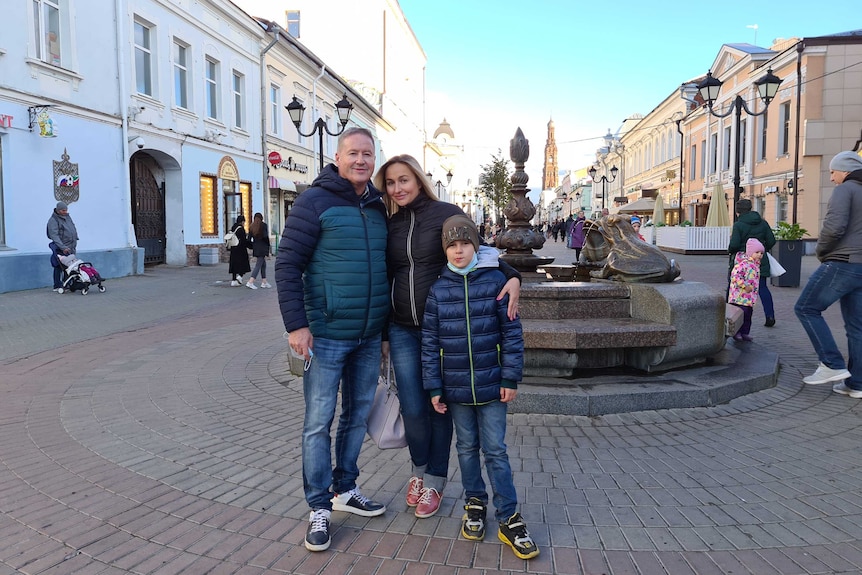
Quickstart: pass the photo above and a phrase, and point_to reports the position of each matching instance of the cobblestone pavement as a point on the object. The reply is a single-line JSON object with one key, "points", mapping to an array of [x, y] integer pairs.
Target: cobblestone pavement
{"points": [[154, 429]]}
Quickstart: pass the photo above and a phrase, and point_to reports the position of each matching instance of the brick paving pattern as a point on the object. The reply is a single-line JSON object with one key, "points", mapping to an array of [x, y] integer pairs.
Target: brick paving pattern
{"points": [[154, 429]]}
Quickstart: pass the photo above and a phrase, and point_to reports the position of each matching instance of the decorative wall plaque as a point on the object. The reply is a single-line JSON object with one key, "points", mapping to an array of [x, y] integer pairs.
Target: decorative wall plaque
{"points": [[65, 179]]}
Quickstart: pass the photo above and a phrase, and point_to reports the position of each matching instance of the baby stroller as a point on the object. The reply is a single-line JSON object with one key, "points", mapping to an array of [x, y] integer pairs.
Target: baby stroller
{"points": [[79, 275]]}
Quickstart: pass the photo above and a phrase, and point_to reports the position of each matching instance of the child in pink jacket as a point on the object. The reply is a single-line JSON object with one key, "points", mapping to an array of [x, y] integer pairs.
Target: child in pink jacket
{"points": [[744, 279]]}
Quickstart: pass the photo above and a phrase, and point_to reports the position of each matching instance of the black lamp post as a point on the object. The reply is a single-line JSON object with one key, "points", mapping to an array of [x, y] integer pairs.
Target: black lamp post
{"points": [[604, 180], [296, 110], [767, 87]]}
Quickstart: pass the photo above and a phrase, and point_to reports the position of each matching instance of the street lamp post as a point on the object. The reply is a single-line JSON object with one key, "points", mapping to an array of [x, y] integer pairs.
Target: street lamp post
{"points": [[296, 110], [604, 180], [439, 187], [767, 87]]}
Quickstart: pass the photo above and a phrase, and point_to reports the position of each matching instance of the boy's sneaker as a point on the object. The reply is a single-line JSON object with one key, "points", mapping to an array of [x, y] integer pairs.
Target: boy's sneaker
{"points": [[317, 536], [429, 503], [354, 502], [473, 522], [842, 388], [826, 374], [513, 532], [414, 491]]}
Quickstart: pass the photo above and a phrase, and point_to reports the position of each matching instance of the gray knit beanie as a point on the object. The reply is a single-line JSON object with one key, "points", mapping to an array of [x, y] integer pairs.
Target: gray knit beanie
{"points": [[846, 162]]}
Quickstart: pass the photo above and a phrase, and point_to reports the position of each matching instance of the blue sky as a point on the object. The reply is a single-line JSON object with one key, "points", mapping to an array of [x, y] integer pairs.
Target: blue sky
{"points": [[496, 65]]}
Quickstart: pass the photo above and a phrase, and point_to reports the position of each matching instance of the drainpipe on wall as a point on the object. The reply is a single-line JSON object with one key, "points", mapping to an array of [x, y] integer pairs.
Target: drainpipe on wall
{"points": [[131, 240], [800, 47], [315, 109], [264, 85]]}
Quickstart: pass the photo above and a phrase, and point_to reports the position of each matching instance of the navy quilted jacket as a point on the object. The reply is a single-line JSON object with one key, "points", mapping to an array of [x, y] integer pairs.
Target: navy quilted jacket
{"points": [[331, 264], [469, 347]]}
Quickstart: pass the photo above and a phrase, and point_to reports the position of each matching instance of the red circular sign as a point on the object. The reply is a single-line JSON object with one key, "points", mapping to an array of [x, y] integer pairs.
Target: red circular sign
{"points": [[274, 158]]}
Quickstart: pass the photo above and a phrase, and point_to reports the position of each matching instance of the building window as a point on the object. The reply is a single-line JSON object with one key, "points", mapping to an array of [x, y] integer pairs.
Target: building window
{"points": [[713, 153], [293, 23], [245, 194], [238, 100], [331, 141], [181, 75], [761, 148], [692, 169], [725, 161], [743, 141], [49, 23], [143, 59], [212, 88], [702, 159], [209, 206], [784, 137], [275, 109]]}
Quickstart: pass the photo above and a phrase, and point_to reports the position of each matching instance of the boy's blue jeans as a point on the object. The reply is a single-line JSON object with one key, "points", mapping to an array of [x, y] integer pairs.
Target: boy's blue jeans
{"points": [[356, 365], [484, 426], [831, 282], [429, 434]]}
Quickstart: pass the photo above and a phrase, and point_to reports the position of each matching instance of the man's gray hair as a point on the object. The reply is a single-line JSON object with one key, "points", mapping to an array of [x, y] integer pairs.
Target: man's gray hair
{"points": [[352, 131]]}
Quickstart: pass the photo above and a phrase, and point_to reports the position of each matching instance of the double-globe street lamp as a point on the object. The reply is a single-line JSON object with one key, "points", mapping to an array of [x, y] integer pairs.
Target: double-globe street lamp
{"points": [[767, 87], [296, 110], [439, 185], [604, 180]]}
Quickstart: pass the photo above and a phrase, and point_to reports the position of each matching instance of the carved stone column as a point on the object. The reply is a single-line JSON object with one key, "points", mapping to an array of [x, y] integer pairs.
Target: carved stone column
{"points": [[519, 239]]}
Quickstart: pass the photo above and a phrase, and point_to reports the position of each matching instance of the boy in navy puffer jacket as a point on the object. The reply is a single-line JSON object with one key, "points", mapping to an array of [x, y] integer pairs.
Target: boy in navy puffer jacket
{"points": [[472, 360]]}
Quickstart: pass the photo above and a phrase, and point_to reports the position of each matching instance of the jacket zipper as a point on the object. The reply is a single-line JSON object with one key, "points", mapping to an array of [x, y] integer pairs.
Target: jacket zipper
{"points": [[469, 340], [412, 291]]}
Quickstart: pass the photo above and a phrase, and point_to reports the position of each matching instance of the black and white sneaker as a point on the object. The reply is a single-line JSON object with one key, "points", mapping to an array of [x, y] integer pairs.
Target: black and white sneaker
{"points": [[473, 522], [354, 502], [317, 536]]}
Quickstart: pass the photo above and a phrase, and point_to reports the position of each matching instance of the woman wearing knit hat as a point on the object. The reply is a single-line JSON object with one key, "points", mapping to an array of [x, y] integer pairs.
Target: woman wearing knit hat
{"points": [[63, 234], [744, 281], [839, 278]]}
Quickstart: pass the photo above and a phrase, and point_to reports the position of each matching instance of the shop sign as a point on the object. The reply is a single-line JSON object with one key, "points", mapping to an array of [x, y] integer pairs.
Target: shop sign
{"points": [[288, 164], [5, 121]]}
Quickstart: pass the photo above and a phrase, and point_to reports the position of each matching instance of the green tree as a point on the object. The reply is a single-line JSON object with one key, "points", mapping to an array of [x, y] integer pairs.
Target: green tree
{"points": [[495, 183]]}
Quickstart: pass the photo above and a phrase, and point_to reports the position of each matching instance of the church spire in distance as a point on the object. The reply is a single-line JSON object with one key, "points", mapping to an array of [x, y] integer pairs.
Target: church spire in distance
{"points": [[550, 171]]}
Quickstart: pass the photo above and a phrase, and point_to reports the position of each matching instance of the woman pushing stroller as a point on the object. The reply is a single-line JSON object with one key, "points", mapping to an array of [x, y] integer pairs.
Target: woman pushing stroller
{"points": [[64, 240]]}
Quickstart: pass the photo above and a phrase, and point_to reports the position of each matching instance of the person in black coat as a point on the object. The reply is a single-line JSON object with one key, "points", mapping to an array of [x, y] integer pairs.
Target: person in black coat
{"points": [[258, 235], [238, 265]]}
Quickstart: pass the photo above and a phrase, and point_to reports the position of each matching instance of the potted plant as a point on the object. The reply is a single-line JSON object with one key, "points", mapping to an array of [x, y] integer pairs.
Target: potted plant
{"points": [[790, 249]]}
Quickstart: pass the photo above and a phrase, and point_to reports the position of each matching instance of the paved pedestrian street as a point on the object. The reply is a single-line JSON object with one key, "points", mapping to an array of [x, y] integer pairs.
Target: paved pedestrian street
{"points": [[155, 429]]}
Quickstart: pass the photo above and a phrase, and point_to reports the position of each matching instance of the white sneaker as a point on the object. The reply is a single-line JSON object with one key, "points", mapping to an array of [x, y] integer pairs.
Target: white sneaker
{"points": [[842, 388], [234, 283], [266, 284], [251, 285], [825, 375]]}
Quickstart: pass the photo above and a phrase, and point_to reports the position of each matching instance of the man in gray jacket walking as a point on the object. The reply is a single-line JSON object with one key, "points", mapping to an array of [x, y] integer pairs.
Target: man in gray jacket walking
{"points": [[839, 278], [64, 237]]}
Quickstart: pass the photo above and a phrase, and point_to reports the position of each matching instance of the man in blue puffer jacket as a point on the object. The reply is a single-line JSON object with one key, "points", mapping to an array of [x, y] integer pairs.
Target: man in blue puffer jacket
{"points": [[334, 298]]}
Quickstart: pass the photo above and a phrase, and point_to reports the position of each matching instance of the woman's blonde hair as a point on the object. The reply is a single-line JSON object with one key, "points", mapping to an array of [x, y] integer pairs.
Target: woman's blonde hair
{"points": [[413, 165]]}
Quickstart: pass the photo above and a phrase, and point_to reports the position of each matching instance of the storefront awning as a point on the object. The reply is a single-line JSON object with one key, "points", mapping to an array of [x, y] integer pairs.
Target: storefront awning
{"points": [[281, 184]]}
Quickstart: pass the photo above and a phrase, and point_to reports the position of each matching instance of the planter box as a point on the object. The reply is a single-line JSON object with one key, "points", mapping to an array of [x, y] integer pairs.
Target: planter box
{"points": [[789, 254]]}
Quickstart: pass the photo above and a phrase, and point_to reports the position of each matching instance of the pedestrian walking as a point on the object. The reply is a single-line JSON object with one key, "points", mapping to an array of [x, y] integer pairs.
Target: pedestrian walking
{"points": [[749, 224], [238, 264], [63, 234], [838, 278], [258, 235]]}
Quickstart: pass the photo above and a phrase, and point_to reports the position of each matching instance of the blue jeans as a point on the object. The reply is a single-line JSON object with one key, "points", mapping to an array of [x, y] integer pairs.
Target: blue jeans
{"points": [[484, 426], [356, 364], [831, 282], [765, 296], [429, 434]]}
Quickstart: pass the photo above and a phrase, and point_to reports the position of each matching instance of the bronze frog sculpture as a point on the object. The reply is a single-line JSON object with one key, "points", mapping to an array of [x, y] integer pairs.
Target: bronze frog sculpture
{"points": [[612, 243]]}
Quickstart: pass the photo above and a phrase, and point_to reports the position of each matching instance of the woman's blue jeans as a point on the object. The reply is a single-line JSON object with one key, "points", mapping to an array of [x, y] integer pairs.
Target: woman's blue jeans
{"points": [[484, 427], [429, 434], [356, 365], [831, 282]]}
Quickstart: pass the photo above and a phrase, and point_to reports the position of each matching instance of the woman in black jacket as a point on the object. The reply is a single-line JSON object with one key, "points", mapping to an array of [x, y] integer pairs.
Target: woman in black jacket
{"points": [[414, 260], [258, 234], [238, 264]]}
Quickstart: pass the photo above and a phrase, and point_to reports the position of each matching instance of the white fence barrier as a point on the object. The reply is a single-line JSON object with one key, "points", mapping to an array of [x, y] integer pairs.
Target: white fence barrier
{"points": [[687, 239]]}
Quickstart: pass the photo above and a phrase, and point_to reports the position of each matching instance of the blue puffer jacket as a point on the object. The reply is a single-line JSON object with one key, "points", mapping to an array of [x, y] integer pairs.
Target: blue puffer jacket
{"points": [[469, 347], [331, 264]]}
